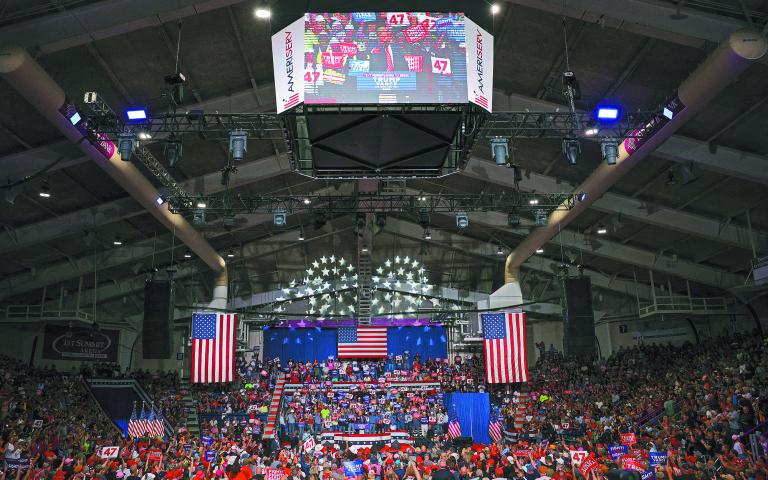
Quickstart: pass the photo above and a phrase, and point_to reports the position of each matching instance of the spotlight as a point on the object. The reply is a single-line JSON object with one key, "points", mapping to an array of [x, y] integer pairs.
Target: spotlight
{"points": [[136, 114], [513, 219], [172, 151], [230, 253], [540, 218], [495, 8], [533, 201], [176, 82], [187, 254], [279, 217], [427, 234], [581, 196], [610, 150], [462, 220], [601, 230], [364, 249], [301, 235], [422, 198], [238, 144], [118, 242], [263, 12], [201, 204], [126, 142], [306, 201], [591, 132], [571, 150], [607, 113], [499, 250], [160, 200], [143, 135], [45, 190], [500, 150], [539, 251], [381, 220]]}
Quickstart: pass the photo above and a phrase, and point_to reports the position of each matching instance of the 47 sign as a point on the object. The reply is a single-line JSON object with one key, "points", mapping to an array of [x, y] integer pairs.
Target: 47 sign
{"points": [[441, 66], [109, 452]]}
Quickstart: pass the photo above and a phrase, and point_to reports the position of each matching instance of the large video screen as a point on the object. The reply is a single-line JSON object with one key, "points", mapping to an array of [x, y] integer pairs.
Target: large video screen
{"points": [[384, 57]]}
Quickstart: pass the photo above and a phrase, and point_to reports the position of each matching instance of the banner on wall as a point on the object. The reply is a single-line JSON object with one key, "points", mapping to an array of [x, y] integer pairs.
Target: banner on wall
{"points": [[479, 65], [81, 344], [288, 64]]}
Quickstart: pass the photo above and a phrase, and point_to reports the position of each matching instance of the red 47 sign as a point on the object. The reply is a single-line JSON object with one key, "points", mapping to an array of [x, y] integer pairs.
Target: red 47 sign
{"points": [[109, 452], [397, 18], [578, 456], [441, 66]]}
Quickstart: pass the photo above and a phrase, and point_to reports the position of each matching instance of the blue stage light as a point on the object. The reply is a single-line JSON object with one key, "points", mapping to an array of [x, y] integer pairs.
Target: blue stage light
{"points": [[607, 113], [75, 118], [136, 114]]}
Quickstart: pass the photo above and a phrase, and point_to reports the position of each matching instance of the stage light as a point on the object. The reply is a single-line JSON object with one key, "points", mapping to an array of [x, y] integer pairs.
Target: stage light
{"points": [[513, 219], [160, 200], [462, 220], [610, 150], [136, 114], [591, 132], [75, 118], [601, 230], [500, 150], [230, 253], [539, 251], [126, 142], [427, 234], [45, 190], [301, 235], [364, 249], [499, 250], [540, 218], [581, 196], [571, 150], [263, 13], [306, 201], [172, 151], [607, 113], [279, 217], [144, 135], [201, 204], [422, 198], [187, 254], [118, 242], [495, 8], [238, 144], [668, 113], [533, 201]]}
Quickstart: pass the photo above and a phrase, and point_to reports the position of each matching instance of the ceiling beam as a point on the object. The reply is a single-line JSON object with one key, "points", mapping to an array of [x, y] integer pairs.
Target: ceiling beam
{"points": [[124, 208], [100, 20], [648, 213]]}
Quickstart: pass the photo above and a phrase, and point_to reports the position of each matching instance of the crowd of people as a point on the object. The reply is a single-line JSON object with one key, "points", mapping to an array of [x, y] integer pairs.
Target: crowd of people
{"points": [[704, 406]]}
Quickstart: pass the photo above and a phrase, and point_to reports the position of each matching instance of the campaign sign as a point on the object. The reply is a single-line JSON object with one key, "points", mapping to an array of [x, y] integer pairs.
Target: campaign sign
{"points": [[187, 447], [658, 458], [632, 464], [587, 465], [309, 444], [616, 451], [206, 440], [109, 452], [650, 474], [210, 455], [273, 474], [578, 456], [154, 455], [354, 468], [628, 438]]}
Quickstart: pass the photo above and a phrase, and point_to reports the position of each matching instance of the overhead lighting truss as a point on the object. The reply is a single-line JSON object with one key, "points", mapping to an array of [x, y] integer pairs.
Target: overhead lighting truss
{"points": [[517, 125], [418, 204]]}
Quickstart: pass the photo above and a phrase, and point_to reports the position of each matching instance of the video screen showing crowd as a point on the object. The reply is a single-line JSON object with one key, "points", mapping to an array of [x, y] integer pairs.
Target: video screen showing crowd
{"points": [[385, 57], [688, 412]]}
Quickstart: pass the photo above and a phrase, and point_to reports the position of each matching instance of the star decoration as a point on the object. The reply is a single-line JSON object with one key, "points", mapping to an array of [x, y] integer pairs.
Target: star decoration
{"points": [[323, 259], [315, 264], [325, 272]]}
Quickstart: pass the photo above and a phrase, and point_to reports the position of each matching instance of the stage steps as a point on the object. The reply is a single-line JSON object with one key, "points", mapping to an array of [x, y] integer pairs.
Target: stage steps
{"points": [[190, 406], [523, 404], [274, 408]]}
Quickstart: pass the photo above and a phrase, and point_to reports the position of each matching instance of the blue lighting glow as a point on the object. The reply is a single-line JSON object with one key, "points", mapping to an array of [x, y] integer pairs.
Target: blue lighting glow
{"points": [[136, 114], [607, 113], [75, 118]]}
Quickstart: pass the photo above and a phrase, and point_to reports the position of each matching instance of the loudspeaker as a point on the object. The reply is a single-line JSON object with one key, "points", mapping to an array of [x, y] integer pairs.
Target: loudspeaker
{"points": [[158, 303], [578, 318]]}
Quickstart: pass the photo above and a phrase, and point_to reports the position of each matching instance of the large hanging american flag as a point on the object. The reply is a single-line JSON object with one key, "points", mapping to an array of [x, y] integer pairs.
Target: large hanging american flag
{"points": [[134, 430], [504, 344], [362, 342], [213, 347], [494, 428], [454, 429]]}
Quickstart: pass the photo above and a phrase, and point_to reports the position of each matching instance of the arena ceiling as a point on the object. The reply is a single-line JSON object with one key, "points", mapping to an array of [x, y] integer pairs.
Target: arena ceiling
{"points": [[683, 213]]}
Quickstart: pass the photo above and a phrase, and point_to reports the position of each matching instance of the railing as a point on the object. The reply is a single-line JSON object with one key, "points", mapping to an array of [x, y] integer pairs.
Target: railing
{"points": [[36, 312], [685, 304]]}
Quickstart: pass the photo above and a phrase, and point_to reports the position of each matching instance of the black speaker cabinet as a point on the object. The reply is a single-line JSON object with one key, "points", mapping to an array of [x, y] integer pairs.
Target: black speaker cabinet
{"points": [[158, 307], [578, 318]]}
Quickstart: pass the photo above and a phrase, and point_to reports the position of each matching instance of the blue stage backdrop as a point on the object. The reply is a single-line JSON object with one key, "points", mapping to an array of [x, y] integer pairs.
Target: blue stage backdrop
{"points": [[473, 411], [303, 344]]}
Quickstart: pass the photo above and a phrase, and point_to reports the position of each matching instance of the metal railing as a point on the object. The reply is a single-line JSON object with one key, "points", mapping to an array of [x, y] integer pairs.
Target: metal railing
{"points": [[37, 312], [685, 304]]}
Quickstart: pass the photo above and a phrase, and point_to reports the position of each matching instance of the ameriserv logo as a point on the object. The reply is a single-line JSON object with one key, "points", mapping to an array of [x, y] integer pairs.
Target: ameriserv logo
{"points": [[289, 59], [480, 70]]}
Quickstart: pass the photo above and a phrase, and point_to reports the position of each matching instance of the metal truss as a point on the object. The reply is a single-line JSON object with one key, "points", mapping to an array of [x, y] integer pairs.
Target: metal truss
{"points": [[563, 124], [512, 202]]}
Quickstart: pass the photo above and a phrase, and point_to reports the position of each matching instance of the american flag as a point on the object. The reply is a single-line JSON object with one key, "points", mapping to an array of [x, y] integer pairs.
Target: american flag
{"points": [[154, 424], [143, 423], [504, 344], [494, 428], [133, 424], [362, 342], [213, 347], [454, 429], [159, 423]]}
